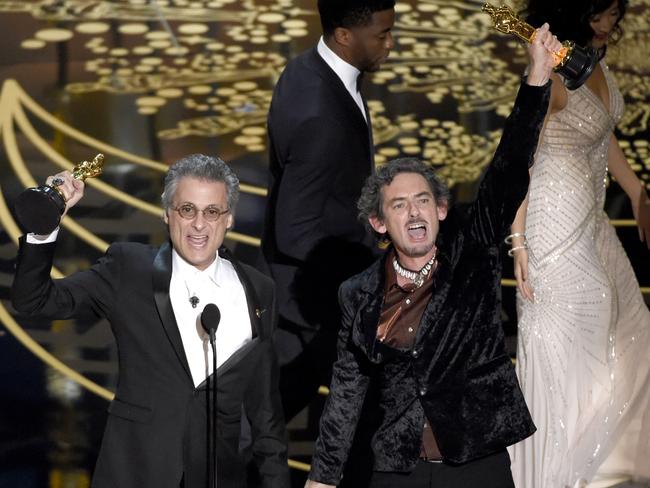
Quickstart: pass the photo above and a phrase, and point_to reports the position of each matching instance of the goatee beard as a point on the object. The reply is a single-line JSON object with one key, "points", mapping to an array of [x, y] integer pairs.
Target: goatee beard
{"points": [[418, 251]]}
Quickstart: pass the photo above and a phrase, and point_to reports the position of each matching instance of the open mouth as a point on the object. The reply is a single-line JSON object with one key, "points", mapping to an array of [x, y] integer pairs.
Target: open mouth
{"points": [[417, 231], [197, 241]]}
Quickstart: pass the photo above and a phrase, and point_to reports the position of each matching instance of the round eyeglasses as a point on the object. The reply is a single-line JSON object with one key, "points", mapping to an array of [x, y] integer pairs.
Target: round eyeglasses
{"points": [[211, 213]]}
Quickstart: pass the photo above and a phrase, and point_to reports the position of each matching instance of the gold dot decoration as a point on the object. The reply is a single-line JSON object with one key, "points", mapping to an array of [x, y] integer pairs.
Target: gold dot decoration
{"points": [[54, 35], [160, 44], [294, 24], [226, 92], [33, 44], [142, 50], [245, 85], [215, 46], [271, 18], [254, 131], [157, 35], [200, 89], [193, 29], [426, 7], [149, 105], [120, 51], [170, 93], [402, 7], [389, 152], [280, 38], [92, 27], [177, 51], [153, 61], [133, 29], [297, 32]]}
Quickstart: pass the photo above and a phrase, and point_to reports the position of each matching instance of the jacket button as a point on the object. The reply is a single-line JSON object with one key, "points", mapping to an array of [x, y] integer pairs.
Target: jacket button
{"points": [[423, 391], [415, 353]]}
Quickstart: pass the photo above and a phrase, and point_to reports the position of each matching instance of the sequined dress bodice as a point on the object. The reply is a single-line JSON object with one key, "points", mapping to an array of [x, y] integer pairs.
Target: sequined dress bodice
{"points": [[571, 166]]}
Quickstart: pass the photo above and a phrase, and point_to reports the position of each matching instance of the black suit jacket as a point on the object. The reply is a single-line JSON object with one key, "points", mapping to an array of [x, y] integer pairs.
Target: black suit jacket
{"points": [[156, 429], [321, 152], [457, 374]]}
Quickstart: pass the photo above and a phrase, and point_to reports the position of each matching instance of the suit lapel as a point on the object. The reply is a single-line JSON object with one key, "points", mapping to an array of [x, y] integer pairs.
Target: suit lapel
{"points": [[371, 141], [255, 310], [332, 80], [162, 273], [371, 299]]}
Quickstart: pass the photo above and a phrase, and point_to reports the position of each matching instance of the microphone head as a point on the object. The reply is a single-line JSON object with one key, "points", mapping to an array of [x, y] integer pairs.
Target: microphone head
{"points": [[210, 317]]}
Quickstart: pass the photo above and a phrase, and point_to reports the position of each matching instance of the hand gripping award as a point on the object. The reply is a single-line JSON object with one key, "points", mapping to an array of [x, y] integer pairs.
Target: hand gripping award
{"points": [[39, 209], [574, 63]]}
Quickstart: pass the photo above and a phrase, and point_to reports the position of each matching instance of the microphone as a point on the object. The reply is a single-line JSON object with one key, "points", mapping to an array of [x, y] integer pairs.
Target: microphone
{"points": [[210, 318]]}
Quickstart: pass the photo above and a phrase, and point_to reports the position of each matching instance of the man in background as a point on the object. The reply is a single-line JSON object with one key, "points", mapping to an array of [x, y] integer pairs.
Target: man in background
{"points": [[321, 152]]}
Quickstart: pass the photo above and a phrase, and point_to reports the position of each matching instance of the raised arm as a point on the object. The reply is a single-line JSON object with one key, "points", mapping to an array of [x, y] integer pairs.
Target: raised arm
{"points": [[505, 184], [35, 293]]}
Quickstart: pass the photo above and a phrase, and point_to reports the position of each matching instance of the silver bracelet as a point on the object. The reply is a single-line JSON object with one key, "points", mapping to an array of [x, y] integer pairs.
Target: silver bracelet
{"points": [[511, 252], [508, 240]]}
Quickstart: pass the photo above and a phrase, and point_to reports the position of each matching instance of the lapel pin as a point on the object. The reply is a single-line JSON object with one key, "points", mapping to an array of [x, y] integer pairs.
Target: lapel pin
{"points": [[259, 312]]}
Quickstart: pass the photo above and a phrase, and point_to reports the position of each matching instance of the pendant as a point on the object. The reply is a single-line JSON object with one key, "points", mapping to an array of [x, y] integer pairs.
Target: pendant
{"points": [[419, 280]]}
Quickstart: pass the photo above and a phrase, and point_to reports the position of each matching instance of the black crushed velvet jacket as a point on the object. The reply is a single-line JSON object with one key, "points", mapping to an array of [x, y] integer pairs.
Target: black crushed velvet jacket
{"points": [[457, 374]]}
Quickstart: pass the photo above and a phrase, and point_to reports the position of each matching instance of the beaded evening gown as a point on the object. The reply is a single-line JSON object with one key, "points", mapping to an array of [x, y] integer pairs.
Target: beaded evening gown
{"points": [[583, 357]]}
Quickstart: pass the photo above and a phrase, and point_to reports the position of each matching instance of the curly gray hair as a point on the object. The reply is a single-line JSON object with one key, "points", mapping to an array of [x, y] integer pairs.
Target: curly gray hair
{"points": [[201, 167]]}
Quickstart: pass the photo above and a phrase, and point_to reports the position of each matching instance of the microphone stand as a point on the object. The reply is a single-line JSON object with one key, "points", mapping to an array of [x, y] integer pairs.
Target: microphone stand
{"points": [[208, 432], [210, 318], [213, 414]]}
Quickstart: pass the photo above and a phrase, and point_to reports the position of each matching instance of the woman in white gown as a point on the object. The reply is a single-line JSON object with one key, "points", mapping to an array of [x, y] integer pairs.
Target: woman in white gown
{"points": [[583, 356]]}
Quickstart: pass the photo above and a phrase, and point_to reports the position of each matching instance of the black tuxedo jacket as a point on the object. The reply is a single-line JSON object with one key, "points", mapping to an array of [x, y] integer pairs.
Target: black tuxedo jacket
{"points": [[457, 375], [321, 153], [156, 430]]}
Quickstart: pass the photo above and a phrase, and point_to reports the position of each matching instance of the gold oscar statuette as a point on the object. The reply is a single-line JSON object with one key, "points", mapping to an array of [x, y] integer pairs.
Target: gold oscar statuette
{"points": [[39, 209], [573, 62]]}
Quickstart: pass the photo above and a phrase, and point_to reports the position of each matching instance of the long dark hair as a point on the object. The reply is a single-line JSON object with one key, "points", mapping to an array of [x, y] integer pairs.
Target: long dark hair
{"points": [[569, 19]]}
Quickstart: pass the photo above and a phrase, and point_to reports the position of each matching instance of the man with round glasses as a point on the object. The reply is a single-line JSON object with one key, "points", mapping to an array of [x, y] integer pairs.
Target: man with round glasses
{"points": [[153, 297]]}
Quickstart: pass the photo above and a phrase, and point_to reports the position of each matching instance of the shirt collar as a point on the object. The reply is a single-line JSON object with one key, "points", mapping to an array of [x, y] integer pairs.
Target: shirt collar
{"points": [[186, 271], [344, 70]]}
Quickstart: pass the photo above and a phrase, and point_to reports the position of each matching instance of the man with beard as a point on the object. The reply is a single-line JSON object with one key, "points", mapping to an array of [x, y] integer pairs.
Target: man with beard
{"points": [[321, 152], [422, 377]]}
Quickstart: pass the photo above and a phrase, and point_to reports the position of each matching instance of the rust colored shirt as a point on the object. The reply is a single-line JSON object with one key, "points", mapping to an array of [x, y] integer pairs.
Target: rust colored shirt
{"points": [[398, 325]]}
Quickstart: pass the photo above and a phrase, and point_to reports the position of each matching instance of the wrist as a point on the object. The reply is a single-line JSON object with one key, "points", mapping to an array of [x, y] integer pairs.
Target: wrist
{"points": [[639, 197], [537, 79]]}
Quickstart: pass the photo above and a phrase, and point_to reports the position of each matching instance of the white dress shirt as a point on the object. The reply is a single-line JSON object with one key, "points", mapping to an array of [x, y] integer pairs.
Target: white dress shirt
{"points": [[218, 284], [345, 71]]}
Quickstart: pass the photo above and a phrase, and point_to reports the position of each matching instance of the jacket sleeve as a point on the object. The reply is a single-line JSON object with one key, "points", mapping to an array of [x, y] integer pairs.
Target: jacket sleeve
{"points": [[310, 169], [35, 293], [506, 181], [343, 407], [264, 411]]}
